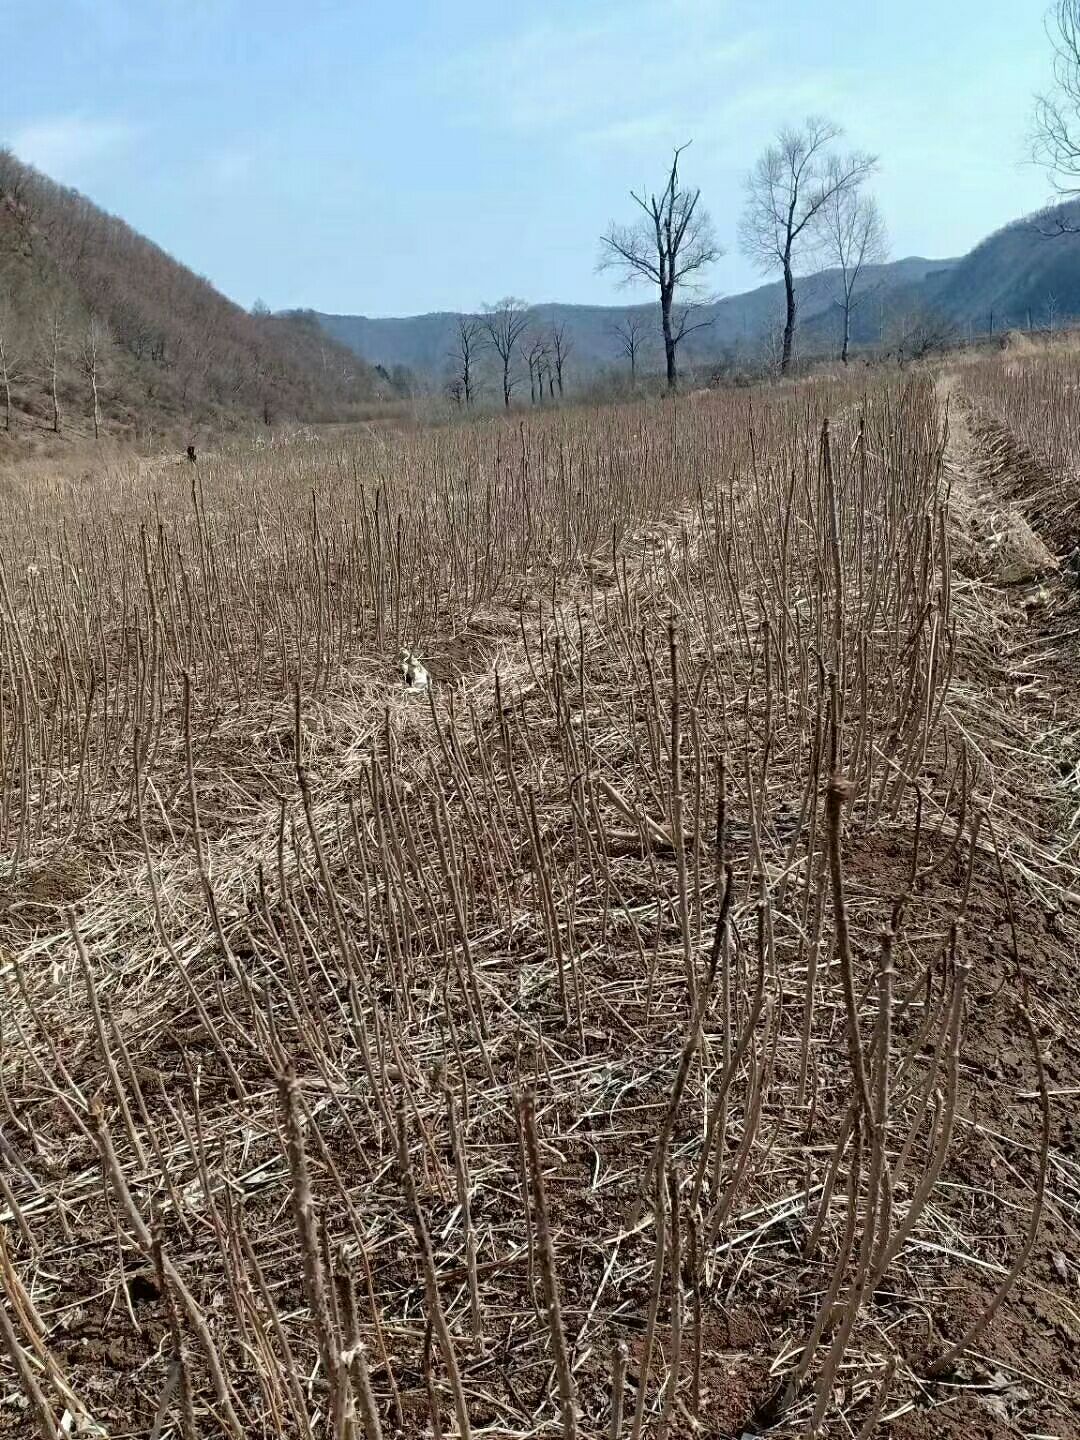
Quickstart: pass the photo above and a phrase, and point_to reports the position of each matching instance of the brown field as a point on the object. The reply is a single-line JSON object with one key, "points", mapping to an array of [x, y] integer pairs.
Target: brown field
{"points": [[664, 1024]]}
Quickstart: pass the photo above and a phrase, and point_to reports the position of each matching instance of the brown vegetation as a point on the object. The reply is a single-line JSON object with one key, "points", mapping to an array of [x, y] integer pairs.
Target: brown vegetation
{"points": [[658, 1025], [97, 322]]}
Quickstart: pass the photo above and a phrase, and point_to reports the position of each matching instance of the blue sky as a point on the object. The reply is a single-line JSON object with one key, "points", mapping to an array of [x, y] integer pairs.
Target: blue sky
{"points": [[394, 158]]}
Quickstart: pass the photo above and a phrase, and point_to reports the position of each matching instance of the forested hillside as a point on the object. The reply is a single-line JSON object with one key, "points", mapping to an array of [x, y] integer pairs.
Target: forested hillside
{"points": [[1026, 274], [102, 332]]}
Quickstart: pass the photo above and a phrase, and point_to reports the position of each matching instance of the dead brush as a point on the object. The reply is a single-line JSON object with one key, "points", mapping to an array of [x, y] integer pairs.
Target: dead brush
{"points": [[681, 853]]}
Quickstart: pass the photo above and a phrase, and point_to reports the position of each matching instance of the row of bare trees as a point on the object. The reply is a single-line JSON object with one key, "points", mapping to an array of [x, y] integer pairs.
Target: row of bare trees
{"points": [[807, 205], [805, 200], [508, 332]]}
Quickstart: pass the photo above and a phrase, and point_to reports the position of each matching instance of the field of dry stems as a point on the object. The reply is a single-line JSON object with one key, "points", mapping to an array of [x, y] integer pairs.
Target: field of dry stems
{"points": [[666, 1024]]}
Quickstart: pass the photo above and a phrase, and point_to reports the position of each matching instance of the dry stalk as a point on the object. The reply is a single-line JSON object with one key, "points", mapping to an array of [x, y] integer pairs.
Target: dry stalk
{"points": [[545, 1249], [315, 1281], [436, 1314], [945, 1362]]}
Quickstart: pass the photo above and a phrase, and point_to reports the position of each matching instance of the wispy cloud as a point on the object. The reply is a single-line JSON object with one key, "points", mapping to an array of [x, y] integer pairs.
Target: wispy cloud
{"points": [[597, 80], [631, 132], [65, 145], [227, 168]]}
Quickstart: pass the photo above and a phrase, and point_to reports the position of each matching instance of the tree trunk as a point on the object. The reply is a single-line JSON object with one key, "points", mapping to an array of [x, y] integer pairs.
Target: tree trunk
{"points": [[669, 339], [506, 383], [55, 398], [5, 380], [847, 331], [789, 319], [97, 408]]}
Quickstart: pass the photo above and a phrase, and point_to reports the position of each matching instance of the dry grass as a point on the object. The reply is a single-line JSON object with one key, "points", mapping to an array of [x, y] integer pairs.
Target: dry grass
{"points": [[590, 1044], [1028, 413]]}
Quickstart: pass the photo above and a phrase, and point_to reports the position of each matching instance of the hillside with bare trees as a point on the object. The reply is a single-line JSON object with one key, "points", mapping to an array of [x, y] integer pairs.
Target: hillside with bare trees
{"points": [[102, 332]]}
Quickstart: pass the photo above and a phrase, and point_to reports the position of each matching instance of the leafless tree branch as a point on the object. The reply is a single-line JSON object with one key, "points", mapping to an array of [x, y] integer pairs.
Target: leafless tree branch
{"points": [[787, 190], [468, 340], [505, 324], [853, 236], [1055, 132], [670, 246]]}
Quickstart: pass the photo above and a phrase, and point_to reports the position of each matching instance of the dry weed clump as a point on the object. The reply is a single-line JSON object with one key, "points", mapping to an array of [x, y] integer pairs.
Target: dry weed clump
{"points": [[1029, 420], [488, 1059]]}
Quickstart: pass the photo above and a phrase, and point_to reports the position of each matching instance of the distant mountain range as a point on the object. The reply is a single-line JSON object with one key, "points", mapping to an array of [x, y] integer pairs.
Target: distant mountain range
{"points": [[1022, 275]]}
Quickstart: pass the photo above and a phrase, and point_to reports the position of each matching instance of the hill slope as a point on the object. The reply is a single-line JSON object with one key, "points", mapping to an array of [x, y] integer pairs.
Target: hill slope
{"points": [[1023, 273], [87, 304]]}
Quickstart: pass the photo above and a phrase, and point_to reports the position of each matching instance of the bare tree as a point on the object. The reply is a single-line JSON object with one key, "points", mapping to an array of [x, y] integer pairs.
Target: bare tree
{"points": [[1051, 314], [9, 360], [1055, 138], [51, 349], [561, 345], [468, 341], [772, 342], [853, 236], [787, 190], [505, 324], [917, 331], [630, 336], [536, 358], [670, 245], [93, 342]]}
